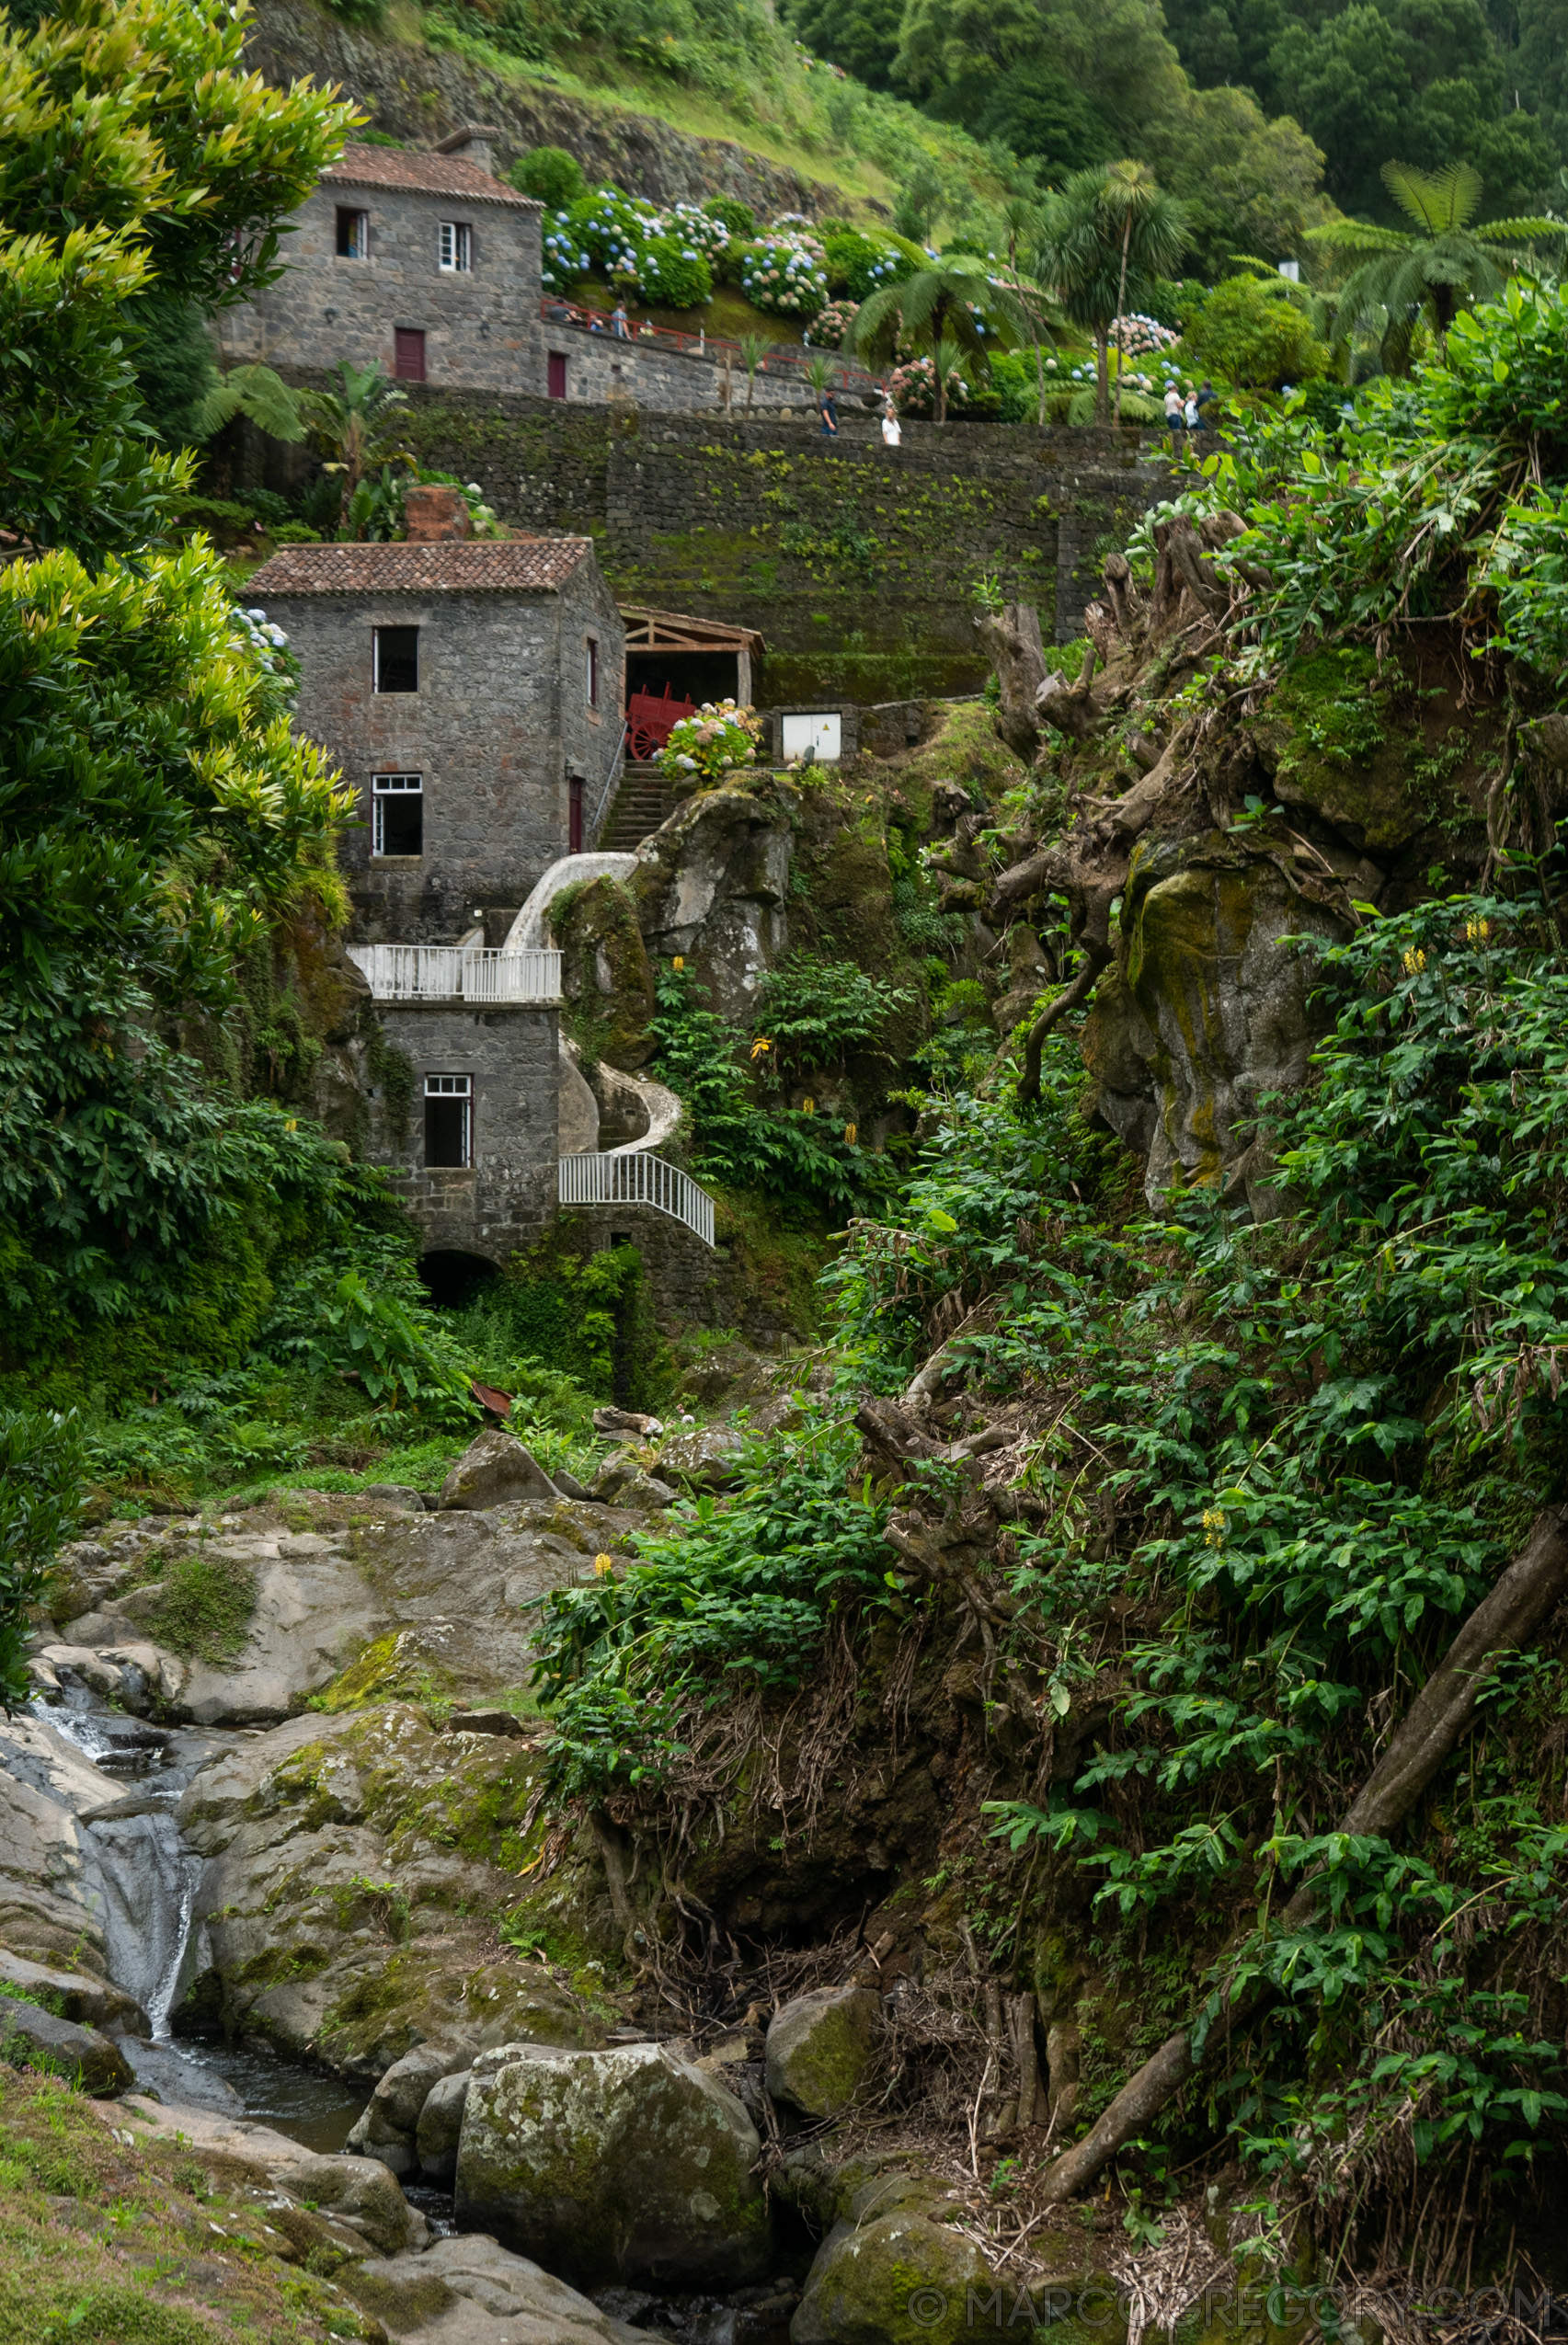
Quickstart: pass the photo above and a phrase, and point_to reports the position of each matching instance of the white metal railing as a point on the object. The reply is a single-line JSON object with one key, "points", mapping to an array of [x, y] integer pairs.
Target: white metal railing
{"points": [[457, 973], [638, 1180]]}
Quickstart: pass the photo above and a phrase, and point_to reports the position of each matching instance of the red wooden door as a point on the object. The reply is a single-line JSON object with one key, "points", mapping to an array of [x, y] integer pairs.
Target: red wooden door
{"points": [[408, 353], [557, 382]]}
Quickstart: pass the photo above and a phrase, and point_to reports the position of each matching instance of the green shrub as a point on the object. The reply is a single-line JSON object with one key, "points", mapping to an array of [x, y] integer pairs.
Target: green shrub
{"points": [[41, 1474], [1252, 333], [550, 174], [859, 265], [673, 276], [737, 217]]}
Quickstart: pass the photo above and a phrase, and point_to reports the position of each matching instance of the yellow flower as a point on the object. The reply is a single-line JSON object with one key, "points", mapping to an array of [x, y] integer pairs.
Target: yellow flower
{"points": [[1415, 961], [808, 1107], [1214, 1525], [604, 1566], [679, 962], [760, 1046], [1477, 932], [852, 1133]]}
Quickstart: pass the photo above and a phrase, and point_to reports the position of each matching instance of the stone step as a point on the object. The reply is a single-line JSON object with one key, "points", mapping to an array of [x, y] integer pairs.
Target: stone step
{"points": [[642, 803]]}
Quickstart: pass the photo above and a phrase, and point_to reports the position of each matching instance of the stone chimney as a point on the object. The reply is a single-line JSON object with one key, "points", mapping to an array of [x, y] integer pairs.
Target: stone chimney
{"points": [[433, 513], [474, 143]]}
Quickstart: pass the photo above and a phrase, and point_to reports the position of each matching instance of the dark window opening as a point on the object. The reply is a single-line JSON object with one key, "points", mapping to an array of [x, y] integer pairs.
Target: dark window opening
{"points": [[353, 234], [556, 367], [695, 675], [449, 1123], [574, 815], [452, 1279], [397, 826], [408, 353], [396, 659], [592, 673]]}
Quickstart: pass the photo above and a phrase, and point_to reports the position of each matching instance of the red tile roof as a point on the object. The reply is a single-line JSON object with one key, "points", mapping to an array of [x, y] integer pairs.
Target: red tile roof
{"points": [[459, 565], [393, 166]]}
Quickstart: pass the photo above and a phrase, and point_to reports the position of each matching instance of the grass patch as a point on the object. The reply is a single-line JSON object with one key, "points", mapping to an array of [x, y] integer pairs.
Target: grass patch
{"points": [[106, 2242], [205, 1608]]}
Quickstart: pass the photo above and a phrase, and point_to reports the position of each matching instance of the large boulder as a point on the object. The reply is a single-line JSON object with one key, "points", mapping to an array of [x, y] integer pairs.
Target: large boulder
{"points": [[708, 1458], [819, 2046], [31, 2036], [441, 2127], [896, 2279], [711, 885], [356, 2191], [496, 1470], [387, 2128], [73, 1995], [629, 2164], [475, 2294]]}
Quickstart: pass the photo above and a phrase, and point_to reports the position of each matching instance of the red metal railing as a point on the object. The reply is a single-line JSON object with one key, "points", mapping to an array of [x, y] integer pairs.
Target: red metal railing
{"points": [[782, 356]]}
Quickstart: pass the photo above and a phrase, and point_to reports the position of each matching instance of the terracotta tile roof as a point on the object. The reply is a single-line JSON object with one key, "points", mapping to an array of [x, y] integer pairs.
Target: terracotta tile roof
{"points": [[460, 565], [393, 166]]}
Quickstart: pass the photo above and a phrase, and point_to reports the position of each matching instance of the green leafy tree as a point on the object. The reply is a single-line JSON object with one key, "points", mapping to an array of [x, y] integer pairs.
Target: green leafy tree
{"points": [[1105, 238], [861, 36], [959, 55], [1434, 272], [41, 1479], [953, 301], [1250, 330]]}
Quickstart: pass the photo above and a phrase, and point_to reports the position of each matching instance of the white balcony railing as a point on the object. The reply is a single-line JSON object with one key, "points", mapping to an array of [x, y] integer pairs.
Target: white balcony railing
{"points": [[638, 1180], [456, 973]]}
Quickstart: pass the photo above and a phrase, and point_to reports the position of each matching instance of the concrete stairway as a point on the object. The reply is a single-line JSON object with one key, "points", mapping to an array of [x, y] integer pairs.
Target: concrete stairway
{"points": [[642, 803]]}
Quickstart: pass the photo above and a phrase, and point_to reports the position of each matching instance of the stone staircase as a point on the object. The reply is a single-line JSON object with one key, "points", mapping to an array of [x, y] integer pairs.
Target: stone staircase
{"points": [[642, 803]]}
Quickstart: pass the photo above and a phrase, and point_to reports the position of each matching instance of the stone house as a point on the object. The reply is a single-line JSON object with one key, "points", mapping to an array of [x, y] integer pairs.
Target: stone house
{"points": [[425, 262], [472, 692]]}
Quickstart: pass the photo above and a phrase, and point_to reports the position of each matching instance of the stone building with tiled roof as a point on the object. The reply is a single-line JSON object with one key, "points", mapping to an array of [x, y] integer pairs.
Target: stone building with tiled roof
{"points": [[426, 262], [471, 691]]}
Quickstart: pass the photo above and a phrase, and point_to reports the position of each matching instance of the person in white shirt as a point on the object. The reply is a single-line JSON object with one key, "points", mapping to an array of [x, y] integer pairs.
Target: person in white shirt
{"points": [[892, 431], [1193, 419], [1174, 415]]}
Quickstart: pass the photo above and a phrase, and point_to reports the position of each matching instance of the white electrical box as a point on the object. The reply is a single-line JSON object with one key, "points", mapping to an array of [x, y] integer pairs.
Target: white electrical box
{"points": [[822, 731]]}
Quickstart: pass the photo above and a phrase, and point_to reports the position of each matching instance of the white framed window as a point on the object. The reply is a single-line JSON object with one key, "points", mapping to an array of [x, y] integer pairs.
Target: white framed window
{"points": [[449, 1123], [397, 813], [353, 234], [395, 660], [455, 246]]}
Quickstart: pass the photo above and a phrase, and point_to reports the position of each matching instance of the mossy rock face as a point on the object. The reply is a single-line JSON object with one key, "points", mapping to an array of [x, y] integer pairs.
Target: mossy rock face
{"points": [[819, 2046], [629, 2164], [900, 2279], [605, 972], [1210, 1008], [1339, 746]]}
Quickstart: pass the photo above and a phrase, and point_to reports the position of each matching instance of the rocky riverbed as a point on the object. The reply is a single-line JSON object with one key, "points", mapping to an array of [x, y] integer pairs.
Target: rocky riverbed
{"points": [[266, 1903]]}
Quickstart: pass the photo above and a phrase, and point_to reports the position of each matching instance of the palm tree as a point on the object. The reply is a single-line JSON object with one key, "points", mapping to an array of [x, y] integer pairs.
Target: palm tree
{"points": [[355, 427], [1445, 264], [954, 299], [1110, 229], [1023, 225], [754, 349]]}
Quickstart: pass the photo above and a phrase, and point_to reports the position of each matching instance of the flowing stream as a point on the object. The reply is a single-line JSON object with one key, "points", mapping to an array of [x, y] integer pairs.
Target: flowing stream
{"points": [[150, 1881]]}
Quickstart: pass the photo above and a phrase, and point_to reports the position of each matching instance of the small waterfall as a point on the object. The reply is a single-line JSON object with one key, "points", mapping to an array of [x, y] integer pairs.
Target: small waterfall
{"points": [[150, 1880], [149, 1877]]}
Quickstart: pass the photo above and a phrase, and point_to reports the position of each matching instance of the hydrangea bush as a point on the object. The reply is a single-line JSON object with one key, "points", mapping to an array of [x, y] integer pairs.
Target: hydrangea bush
{"points": [[565, 256], [912, 388], [784, 273], [831, 325], [858, 265], [720, 735], [612, 230]]}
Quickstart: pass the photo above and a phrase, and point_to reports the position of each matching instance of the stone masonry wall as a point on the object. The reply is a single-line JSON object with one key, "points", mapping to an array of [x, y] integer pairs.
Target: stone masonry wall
{"points": [[498, 720], [481, 326], [602, 368], [512, 1055], [856, 561], [692, 1284]]}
